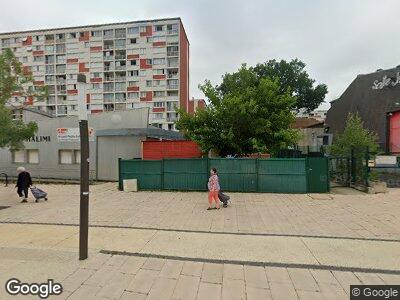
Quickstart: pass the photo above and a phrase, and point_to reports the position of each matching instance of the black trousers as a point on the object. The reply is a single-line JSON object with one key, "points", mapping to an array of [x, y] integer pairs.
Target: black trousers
{"points": [[25, 190]]}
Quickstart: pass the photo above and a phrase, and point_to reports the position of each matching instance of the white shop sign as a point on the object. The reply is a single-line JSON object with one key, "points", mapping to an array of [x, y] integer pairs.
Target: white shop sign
{"points": [[385, 160], [386, 81], [72, 134]]}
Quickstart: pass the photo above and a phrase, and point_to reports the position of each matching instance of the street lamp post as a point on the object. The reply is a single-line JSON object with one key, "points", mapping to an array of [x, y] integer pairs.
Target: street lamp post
{"points": [[84, 182]]}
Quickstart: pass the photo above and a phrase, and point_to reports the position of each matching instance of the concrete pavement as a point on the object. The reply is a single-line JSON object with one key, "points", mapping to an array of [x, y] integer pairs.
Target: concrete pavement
{"points": [[161, 245]]}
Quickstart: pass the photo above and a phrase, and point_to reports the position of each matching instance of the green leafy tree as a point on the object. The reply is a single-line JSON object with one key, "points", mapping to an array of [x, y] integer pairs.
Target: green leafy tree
{"points": [[292, 77], [358, 138], [354, 136], [253, 118], [13, 79]]}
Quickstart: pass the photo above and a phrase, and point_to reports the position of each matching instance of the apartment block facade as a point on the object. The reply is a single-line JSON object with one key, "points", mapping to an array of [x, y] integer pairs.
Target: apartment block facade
{"points": [[127, 65]]}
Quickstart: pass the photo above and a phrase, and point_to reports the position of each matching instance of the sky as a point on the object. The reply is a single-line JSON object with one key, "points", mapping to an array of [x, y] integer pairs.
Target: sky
{"points": [[337, 39]]}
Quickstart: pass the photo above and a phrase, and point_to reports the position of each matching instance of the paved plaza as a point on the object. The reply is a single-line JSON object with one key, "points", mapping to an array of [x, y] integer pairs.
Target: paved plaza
{"points": [[166, 245]]}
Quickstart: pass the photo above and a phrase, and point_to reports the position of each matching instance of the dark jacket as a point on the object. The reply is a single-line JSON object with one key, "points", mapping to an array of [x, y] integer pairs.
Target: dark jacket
{"points": [[24, 180]]}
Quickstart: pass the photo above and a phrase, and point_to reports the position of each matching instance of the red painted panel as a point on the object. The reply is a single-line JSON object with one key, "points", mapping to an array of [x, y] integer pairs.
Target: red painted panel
{"points": [[394, 134], [26, 70], [72, 92], [82, 68], [29, 100], [37, 53], [96, 49], [94, 111], [158, 109], [148, 32], [159, 44], [38, 82], [183, 69], [28, 41], [85, 37], [170, 149], [87, 98], [158, 76], [132, 56], [133, 88], [143, 64], [190, 107], [149, 97], [72, 60], [96, 79]]}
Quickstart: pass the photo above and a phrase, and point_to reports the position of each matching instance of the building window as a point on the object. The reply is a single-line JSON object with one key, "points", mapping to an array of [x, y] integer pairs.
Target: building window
{"points": [[108, 33], [69, 157], [133, 83], [33, 156], [158, 28], [133, 62], [132, 41], [159, 93], [149, 61], [158, 61], [133, 73], [18, 156], [158, 72], [143, 94], [96, 33], [72, 35], [49, 48], [133, 30], [37, 58], [25, 59], [134, 95], [149, 83], [158, 104], [96, 86]]}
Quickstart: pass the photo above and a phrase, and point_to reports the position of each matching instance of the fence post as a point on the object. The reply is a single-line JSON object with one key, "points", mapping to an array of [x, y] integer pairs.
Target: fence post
{"points": [[348, 179], [353, 166], [120, 186], [257, 168], [366, 166], [162, 174]]}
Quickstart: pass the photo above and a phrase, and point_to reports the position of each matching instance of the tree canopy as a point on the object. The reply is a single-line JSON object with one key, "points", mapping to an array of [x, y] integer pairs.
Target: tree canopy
{"points": [[250, 115], [13, 79], [292, 78]]}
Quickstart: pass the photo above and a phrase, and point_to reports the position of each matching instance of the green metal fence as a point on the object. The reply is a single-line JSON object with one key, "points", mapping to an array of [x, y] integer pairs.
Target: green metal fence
{"points": [[276, 175]]}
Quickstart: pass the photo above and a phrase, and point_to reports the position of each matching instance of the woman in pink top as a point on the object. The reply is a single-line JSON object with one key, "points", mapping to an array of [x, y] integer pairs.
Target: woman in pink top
{"points": [[213, 189]]}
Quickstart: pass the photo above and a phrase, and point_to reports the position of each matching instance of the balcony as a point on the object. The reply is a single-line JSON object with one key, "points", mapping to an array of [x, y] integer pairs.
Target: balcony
{"points": [[172, 86], [172, 119], [173, 53], [173, 31], [172, 76], [109, 57]]}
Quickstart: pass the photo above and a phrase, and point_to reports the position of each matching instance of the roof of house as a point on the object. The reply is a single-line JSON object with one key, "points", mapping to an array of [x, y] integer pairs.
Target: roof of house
{"points": [[91, 26], [370, 102], [303, 122]]}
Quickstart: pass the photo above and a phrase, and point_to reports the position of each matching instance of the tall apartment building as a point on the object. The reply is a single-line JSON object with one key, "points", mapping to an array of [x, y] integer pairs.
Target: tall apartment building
{"points": [[128, 65]]}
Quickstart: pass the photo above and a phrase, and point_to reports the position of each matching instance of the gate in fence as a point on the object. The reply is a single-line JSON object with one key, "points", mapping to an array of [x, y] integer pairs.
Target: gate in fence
{"points": [[277, 175], [351, 169]]}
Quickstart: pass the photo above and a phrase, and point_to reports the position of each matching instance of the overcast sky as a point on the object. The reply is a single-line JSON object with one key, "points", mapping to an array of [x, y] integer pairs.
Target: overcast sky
{"points": [[337, 39]]}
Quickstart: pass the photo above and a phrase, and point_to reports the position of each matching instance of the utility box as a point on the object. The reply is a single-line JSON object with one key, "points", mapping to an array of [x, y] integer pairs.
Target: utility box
{"points": [[130, 185]]}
